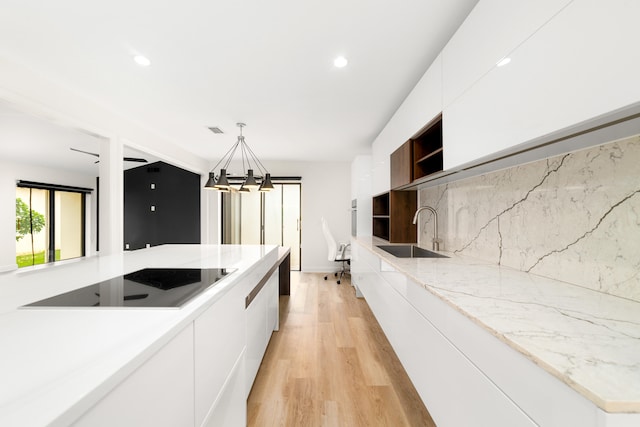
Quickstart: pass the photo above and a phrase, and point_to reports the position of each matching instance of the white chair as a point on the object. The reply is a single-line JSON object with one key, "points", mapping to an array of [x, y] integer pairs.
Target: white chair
{"points": [[336, 252]]}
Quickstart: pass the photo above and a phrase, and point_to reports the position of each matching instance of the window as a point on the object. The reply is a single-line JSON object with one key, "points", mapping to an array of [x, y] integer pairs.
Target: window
{"points": [[50, 223]]}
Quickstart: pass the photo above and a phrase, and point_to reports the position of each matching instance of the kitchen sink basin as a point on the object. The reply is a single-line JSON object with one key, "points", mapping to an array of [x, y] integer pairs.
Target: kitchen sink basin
{"points": [[410, 251]]}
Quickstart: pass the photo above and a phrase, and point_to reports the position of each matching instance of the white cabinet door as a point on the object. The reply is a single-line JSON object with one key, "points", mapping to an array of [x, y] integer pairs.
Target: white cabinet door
{"points": [[231, 407], [159, 393], [219, 343], [491, 31], [422, 105], [256, 337], [581, 64], [262, 319], [453, 389]]}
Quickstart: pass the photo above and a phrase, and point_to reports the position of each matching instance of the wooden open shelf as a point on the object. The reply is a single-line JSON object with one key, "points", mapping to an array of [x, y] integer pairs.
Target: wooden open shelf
{"points": [[433, 153], [381, 205], [392, 216], [427, 150]]}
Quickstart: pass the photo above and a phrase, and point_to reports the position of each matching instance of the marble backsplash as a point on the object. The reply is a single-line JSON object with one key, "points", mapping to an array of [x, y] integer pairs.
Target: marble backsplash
{"points": [[573, 217]]}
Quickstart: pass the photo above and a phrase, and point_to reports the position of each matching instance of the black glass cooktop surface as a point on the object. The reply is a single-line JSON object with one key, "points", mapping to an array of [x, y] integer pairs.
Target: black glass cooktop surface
{"points": [[150, 287]]}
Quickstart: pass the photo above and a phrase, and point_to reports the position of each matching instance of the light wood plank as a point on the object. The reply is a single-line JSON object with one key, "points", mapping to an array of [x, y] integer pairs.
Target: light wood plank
{"points": [[331, 365], [367, 349]]}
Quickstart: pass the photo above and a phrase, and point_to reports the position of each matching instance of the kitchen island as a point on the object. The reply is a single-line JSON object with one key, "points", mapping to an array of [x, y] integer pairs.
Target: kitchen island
{"points": [[135, 366], [489, 345]]}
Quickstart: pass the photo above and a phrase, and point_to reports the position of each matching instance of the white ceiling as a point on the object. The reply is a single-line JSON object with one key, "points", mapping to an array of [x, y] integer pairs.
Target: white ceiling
{"points": [[217, 62], [27, 139]]}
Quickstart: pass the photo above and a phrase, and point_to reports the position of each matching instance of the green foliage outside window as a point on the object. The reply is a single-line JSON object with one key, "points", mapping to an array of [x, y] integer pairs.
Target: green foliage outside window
{"points": [[26, 219]]}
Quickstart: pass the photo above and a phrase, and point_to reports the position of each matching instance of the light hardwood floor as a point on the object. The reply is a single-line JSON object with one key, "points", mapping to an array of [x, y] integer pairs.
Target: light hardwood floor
{"points": [[331, 365]]}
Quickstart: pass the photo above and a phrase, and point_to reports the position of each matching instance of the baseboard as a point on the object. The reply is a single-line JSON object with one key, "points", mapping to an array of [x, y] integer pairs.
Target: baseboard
{"points": [[8, 267]]}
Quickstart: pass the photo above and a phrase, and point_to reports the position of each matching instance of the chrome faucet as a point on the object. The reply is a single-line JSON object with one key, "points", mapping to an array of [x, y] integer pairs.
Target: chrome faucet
{"points": [[436, 241]]}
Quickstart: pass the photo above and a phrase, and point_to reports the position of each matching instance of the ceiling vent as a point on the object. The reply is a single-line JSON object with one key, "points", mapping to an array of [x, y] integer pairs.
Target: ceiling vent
{"points": [[215, 129]]}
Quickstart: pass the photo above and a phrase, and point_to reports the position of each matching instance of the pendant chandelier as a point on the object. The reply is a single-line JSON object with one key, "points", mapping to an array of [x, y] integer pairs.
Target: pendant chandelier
{"points": [[248, 181]]}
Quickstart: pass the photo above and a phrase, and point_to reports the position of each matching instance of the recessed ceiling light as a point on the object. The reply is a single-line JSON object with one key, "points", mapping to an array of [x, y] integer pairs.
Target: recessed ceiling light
{"points": [[340, 62], [503, 61], [142, 61]]}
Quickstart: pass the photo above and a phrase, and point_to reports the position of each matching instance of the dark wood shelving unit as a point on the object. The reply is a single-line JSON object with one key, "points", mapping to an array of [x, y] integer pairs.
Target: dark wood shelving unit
{"points": [[381, 205], [418, 157], [381, 216], [381, 227], [392, 216], [401, 165], [427, 150]]}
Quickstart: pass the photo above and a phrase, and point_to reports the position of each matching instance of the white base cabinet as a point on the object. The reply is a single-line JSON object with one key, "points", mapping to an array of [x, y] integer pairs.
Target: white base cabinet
{"points": [[465, 375], [262, 320], [455, 392], [203, 376], [219, 346], [159, 393], [230, 407]]}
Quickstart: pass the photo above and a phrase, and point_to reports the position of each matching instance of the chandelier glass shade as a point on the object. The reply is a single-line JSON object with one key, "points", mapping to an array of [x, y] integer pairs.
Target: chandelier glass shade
{"points": [[250, 163]]}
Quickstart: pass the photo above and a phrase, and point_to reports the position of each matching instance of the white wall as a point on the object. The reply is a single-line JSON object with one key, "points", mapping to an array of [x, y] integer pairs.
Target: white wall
{"points": [[7, 220], [10, 172]]}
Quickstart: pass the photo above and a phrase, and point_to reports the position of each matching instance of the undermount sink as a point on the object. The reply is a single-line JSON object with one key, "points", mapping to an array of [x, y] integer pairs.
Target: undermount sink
{"points": [[410, 251]]}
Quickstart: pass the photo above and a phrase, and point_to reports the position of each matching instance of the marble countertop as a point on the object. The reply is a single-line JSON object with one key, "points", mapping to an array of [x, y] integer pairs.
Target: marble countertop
{"points": [[588, 339], [56, 363]]}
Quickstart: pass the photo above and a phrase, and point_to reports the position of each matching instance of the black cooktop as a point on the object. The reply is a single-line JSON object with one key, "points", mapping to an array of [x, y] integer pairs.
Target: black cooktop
{"points": [[151, 287]]}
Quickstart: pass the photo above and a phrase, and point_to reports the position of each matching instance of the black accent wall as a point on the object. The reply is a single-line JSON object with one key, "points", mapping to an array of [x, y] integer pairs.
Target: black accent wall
{"points": [[176, 198]]}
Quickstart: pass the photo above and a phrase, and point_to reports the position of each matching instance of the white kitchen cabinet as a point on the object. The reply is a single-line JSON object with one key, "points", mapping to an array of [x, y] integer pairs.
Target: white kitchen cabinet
{"points": [[547, 400], [582, 64], [262, 320], [159, 393], [219, 344], [422, 105], [230, 408], [492, 30], [453, 389]]}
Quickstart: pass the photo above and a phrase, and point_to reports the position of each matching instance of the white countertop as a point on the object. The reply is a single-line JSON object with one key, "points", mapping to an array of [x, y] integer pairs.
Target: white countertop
{"points": [[56, 363], [589, 340]]}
